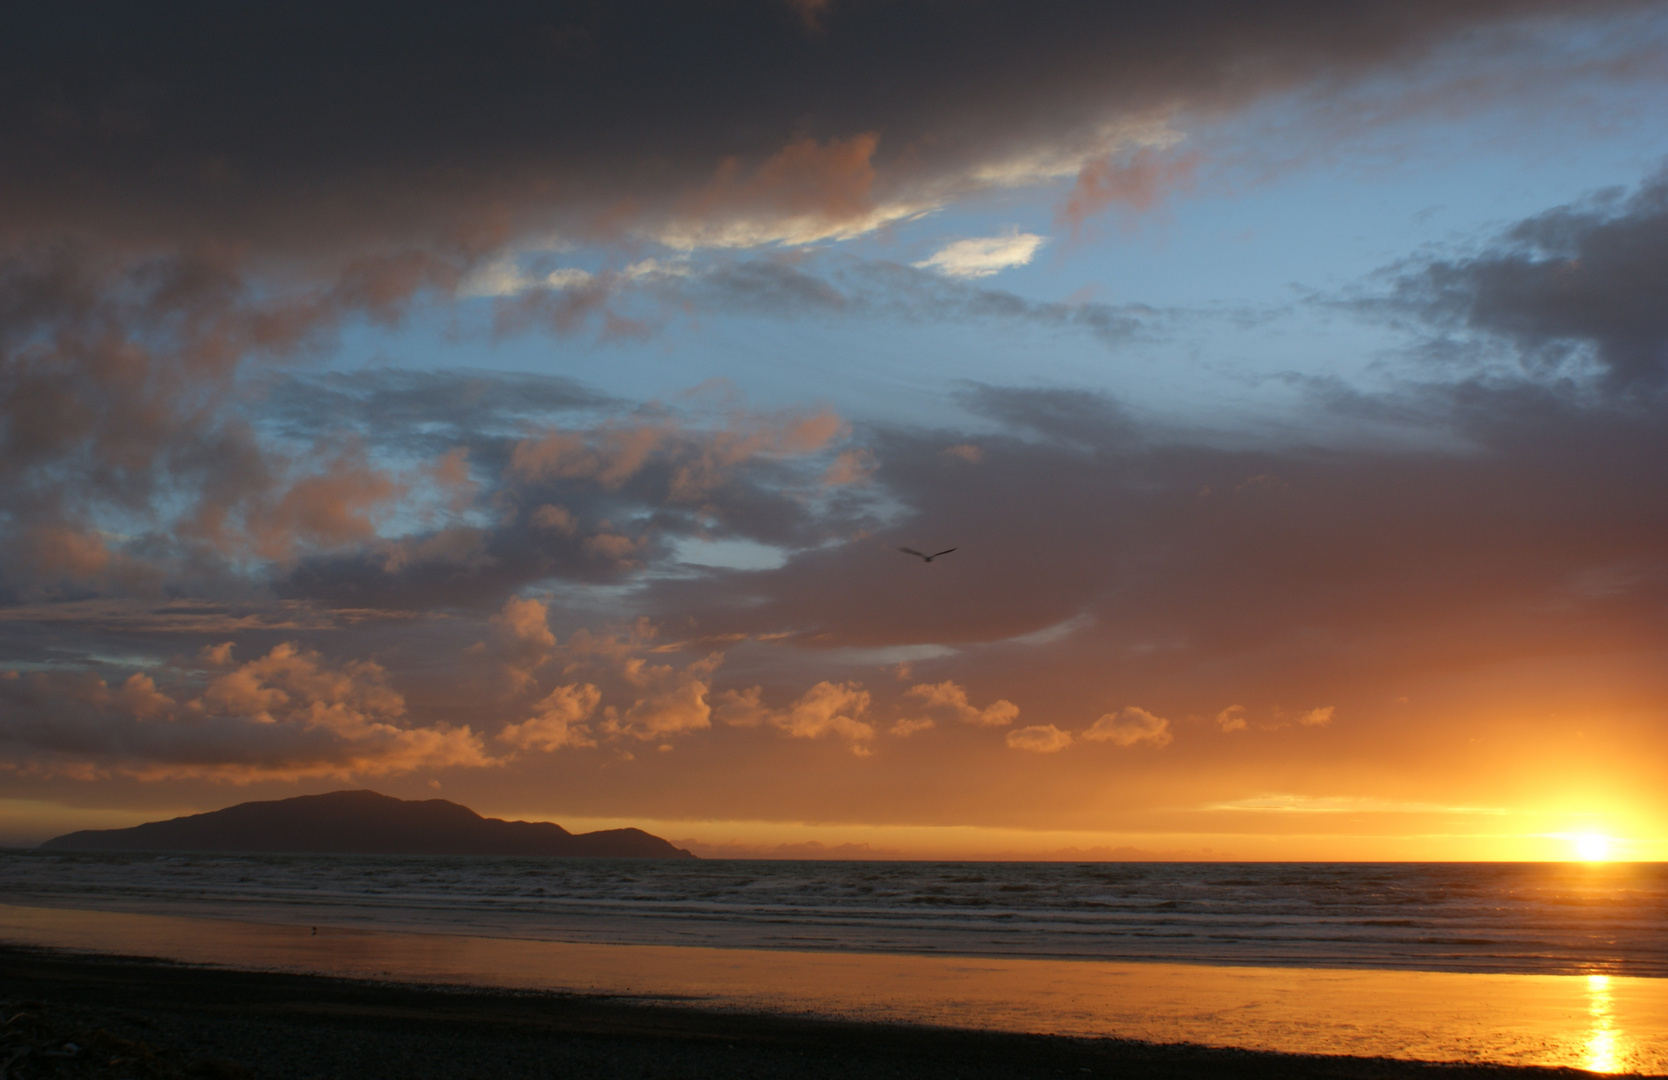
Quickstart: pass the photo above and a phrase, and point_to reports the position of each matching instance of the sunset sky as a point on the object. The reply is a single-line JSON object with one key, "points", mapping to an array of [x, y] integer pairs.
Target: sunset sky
{"points": [[524, 406]]}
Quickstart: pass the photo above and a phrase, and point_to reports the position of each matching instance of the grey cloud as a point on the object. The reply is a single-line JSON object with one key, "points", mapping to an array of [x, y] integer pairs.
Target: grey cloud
{"points": [[790, 288], [1584, 279], [1072, 416], [391, 405]]}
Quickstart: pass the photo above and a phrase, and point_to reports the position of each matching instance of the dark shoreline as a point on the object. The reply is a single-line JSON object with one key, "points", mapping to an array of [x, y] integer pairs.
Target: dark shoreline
{"points": [[148, 1020]]}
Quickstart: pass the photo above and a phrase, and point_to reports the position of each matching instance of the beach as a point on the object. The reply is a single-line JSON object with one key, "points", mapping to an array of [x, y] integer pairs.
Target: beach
{"points": [[146, 1019], [297, 1000]]}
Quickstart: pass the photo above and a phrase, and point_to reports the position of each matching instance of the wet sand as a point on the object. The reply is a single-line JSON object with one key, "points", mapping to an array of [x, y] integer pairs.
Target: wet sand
{"points": [[1597, 1023], [77, 1015]]}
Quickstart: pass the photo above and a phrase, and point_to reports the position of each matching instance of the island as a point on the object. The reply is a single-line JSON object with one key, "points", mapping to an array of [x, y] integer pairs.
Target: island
{"points": [[366, 823]]}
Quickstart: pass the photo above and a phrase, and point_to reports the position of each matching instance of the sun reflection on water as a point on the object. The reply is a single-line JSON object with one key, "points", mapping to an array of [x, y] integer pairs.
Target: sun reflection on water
{"points": [[1604, 1044]]}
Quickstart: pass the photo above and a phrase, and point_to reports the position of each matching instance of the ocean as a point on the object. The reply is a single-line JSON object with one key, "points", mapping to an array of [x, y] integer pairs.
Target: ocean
{"points": [[1509, 918]]}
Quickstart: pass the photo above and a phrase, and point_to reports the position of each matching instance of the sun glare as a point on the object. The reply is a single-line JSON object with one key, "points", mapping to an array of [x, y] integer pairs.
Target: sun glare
{"points": [[1592, 847]]}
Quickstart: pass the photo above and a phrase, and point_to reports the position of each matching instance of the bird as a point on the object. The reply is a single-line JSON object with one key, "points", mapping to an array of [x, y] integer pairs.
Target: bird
{"points": [[923, 556]]}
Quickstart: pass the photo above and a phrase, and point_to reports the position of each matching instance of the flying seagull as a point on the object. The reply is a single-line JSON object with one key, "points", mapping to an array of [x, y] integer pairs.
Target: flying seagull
{"points": [[923, 556]]}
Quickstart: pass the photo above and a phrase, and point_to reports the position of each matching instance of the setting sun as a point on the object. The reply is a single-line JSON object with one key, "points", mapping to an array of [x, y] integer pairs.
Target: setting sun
{"points": [[1592, 847]]}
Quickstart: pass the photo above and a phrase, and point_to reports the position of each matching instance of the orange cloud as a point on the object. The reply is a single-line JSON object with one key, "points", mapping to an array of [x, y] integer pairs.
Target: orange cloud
{"points": [[1137, 181], [1039, 739], [287, 715], [806, 188], [141, 698], [742, 708], [612, 547], [336, 506], [669, 702], [1317, 717], [450, 474], [829, 708], [557, 720], [805, 192], [523, 642], [62, 551], [850, 467], [556, 519], [948, 699], [1130, 727]]}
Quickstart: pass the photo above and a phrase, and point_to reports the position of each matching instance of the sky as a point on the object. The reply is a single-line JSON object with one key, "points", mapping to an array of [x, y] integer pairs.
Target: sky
{"points": [[525, 405]]}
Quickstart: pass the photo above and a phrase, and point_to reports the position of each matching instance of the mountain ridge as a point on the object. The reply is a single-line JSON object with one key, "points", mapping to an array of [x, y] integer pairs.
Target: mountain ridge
{"points": [[365, 822]]}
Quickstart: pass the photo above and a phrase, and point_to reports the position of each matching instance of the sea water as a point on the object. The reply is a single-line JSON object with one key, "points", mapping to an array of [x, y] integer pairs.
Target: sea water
{"points": [[1523, 918]]}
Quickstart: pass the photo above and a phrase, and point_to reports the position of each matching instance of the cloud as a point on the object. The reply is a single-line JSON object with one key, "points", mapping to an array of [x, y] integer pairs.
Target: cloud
{"points": [[287, 715], [1320, 717], [557, 720], [1130, 727], [668, 701], [338, 505], [742, 708], [524, 641], [556, 519], [174, 477], [736, 126], [829, 708], [121, 384], [504, 276], [815, 283], [697, 462], [984, 256], [950, 700], [1571, 289], [803, 193], [850, 467], [1231, 719], [1138, 181], [596, 502], [1039, 739], [425, 413], [172, 617]]}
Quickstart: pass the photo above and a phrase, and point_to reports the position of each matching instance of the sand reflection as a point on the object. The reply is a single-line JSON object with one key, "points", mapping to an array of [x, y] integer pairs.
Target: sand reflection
{"points": [[1606, 1048], [1600, 1023]]}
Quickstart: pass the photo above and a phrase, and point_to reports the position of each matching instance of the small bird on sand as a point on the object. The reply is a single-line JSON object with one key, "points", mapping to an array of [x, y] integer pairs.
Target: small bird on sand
{"points": [[923, 556]]}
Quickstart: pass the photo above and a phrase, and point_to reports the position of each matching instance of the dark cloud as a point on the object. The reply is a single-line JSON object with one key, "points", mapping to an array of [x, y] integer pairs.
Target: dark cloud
{"points": [[1072, 416], [1203, 566], [1584, 281], [343, 125]]}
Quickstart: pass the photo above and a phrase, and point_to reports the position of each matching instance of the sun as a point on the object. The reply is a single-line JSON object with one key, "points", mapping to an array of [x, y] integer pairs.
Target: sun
{"points": [[1592, 847]]}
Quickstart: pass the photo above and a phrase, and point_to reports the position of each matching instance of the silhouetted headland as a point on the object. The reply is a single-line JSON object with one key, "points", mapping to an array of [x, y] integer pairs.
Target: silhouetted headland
{"points": [[366, 823]]}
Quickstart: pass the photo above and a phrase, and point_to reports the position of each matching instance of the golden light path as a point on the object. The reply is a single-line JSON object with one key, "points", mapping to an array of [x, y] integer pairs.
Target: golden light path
{"points": [[1595, 1022]]}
